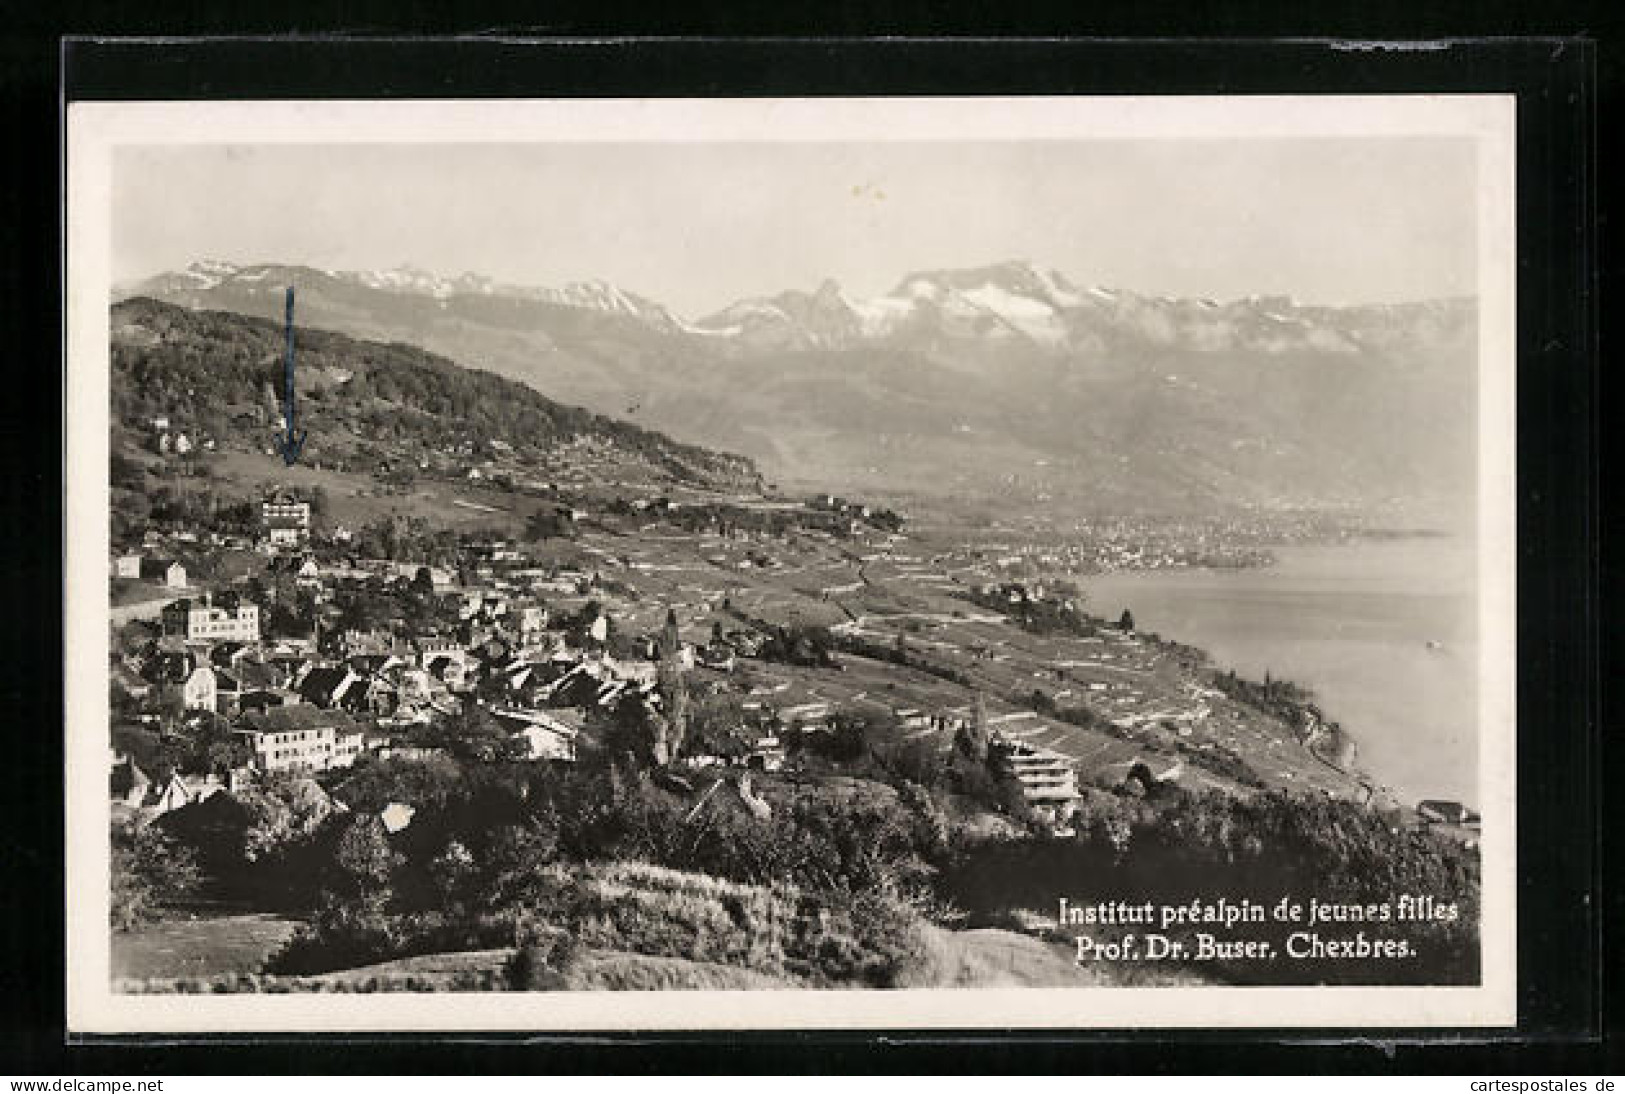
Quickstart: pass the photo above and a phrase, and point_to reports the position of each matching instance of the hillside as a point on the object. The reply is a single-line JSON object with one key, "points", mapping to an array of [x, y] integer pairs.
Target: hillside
{"points": [[1030, 388], [367, 405]]}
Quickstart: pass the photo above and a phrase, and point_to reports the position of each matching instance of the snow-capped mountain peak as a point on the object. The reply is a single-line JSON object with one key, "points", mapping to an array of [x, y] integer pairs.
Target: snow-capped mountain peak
{"points": [[996, 306]]}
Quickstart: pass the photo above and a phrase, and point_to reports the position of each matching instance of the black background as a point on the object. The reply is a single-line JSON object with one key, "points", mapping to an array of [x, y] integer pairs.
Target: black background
{"points": [[1562, 905]]}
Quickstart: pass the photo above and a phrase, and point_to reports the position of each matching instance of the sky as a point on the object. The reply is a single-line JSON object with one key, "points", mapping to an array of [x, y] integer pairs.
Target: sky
{"points": [[699, 226]]}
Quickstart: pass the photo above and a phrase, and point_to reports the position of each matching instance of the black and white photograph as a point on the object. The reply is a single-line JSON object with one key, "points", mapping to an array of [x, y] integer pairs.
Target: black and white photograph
{"points": [[791, 563]]}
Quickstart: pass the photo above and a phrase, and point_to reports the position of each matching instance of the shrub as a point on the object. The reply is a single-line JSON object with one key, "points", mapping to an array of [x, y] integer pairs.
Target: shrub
{"points": [[872, 938], [349, 934], [868, 937], [543, 960]]}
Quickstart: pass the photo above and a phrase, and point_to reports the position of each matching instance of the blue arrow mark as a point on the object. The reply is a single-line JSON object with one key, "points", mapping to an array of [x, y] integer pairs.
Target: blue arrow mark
{"points": [[294, 441]]}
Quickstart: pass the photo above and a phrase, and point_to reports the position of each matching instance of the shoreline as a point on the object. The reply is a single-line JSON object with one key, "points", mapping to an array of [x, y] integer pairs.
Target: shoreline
{"points": [[1312, 697]]}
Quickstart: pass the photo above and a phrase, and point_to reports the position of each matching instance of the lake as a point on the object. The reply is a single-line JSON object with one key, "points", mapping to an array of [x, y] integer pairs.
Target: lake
{"points": [[1353, 622]]}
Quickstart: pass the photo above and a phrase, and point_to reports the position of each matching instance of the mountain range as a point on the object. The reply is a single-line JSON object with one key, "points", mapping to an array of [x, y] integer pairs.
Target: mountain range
{"points": [[1002, 381]]}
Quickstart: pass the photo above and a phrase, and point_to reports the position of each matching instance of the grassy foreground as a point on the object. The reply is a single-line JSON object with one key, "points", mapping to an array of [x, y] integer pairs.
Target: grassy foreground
{"points": [[633, 927]]}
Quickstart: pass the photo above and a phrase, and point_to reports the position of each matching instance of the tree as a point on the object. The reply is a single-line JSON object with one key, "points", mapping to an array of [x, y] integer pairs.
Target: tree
{"points": [[1125, 622], [475, 734], [451, 871], [671, 643], [372, 783], [366, 858], [149, 869], [423, 582], [282, 813], [224, 752], [548, 524], [127, 474], [973, 739], [719, 725], [270, 405], [669, 725], [517, 856], [916, 761]]}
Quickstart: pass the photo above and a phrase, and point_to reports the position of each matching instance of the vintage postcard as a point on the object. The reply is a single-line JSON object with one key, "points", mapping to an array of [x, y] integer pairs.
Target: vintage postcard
{"points": [[891, 563]]}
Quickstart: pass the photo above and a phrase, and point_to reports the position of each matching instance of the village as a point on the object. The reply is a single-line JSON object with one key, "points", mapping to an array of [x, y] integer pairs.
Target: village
{"points": [[309, 656]]}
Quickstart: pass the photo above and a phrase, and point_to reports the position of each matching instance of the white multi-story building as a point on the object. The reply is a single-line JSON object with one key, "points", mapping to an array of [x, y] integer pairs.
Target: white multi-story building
{"points": [[1047, 779], [287, 523], [302, 738], [202, 621]]}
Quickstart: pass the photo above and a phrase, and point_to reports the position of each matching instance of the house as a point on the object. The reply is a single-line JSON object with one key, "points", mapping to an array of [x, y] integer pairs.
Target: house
{"points": [[252, 699], [718, 656], [1138, 775], [200, 691], [430, 647], [228, 691], [548, 734], [178, 792], [127, 783], [167, 667], [383, 696], [228, 655], [767, 754], [131, 682], [348, 743], [331, 686], [414, 685], [256, 674], [635, 672], [129, 566], [805, 714], [1446, 812], [306, 574], [532, 622], [472, 632], [165, 571], [746, 643], [450, 668]]}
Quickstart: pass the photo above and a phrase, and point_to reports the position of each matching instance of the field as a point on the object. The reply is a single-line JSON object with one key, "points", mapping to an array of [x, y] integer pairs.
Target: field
{"points": [[356, 499], [204, 946]]}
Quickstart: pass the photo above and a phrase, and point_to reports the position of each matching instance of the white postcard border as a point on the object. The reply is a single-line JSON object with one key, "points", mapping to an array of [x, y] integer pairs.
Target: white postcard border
{"points": [[95, 130]]}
